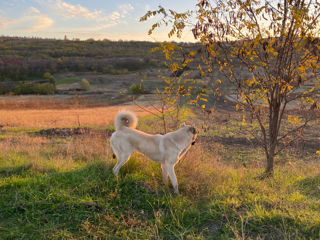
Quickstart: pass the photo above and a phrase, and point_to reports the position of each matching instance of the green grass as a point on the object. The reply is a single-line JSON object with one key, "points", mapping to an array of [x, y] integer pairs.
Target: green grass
{"points": [[89, 202], [67, 80], [54, 189]]}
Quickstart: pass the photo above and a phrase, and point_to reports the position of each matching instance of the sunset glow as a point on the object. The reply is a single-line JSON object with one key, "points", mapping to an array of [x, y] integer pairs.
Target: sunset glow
{"points": [[79, 19]]}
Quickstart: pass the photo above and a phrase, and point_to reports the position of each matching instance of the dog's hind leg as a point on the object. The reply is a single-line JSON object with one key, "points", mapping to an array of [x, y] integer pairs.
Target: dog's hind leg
{"points": [[122, 159], [173, 177], [165, 174]]}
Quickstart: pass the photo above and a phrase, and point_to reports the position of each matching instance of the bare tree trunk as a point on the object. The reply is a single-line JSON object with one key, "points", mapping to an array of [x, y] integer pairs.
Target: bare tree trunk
{"points": [[164, 123], [178, 111], [270, 161], [274, 122]]}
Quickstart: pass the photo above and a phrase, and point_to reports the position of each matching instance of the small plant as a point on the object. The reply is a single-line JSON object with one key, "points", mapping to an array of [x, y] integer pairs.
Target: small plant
{"points": [[85, 84], [137, 88], [47, 75]]}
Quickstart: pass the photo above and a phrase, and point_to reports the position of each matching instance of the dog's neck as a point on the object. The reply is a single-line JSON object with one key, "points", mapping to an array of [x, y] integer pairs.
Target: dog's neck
{"points": [[180, 143]]}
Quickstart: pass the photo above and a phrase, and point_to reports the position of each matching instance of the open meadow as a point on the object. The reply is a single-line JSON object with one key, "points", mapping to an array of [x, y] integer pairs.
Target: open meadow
{"points": [[56, 181], [244, 76], [57, 106]]}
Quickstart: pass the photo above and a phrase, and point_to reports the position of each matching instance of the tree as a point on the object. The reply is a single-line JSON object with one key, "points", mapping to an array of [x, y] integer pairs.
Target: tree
{"points": [[276, 42], [177, 88]]}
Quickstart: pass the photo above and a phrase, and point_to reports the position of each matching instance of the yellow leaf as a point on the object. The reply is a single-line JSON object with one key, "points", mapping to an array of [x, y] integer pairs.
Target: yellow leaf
{"points": [[244, 120]]}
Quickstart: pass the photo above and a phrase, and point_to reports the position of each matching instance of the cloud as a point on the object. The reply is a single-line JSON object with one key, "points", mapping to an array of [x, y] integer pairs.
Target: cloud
{"points": [[77, 11], [5, 22], [125, 8], [35, 20], [114, 16], [39, 23], [74, 11], [65, 16], [147, 8], [33, 11], [30, 21]]}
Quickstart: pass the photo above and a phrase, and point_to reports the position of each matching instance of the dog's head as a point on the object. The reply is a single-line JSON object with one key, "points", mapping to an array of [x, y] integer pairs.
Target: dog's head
{"points": [[192, 130]]}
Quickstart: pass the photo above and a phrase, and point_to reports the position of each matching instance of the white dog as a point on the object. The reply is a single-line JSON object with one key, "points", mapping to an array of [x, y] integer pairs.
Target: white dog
{"points": [[166, 149]]}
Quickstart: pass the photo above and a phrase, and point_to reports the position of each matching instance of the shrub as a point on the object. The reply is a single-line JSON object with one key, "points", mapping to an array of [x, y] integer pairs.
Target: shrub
{"points": [[52, 80], [85, 84], [24, 88], [136, 89], [35, 88], [47, 75], [107, 69], [45, 88]]}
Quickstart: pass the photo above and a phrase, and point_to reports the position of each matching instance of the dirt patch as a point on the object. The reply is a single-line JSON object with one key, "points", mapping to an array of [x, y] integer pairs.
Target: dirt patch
{"points": [[70, 132]]}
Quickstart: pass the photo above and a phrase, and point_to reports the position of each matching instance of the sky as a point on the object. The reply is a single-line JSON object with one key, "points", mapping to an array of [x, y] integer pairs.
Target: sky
{"points": [[85, 19]]}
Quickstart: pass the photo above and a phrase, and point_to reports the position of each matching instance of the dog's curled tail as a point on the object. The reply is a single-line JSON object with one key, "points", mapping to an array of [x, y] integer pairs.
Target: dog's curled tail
{"points": [[125, 118]]}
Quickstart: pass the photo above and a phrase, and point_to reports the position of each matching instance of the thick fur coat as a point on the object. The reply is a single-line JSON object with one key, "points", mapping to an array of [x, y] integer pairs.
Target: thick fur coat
{"points": [[166, 149]]}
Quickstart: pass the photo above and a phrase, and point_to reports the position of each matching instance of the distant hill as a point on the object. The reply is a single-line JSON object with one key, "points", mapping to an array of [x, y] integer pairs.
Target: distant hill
{"points": [[26, 58]]}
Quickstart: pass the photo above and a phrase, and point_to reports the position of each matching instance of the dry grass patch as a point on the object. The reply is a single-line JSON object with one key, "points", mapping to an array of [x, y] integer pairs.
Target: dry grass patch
{"points": [[48, 118], [44, 154]]}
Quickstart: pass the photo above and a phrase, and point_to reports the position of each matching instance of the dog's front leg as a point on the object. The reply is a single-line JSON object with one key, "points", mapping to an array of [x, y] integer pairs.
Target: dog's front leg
{"points": [[173, 177], [165, 174]]}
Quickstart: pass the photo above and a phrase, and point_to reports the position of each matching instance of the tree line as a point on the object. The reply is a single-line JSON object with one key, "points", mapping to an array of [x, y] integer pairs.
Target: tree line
{"points": [[27, 58]]}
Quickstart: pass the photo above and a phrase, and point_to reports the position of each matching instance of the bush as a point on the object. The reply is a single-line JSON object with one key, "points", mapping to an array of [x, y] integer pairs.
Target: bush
{"points": [[85, 84], [45, 88], [136, 89], [34, 88], [107, 69], [24, 88], [47, 75]]}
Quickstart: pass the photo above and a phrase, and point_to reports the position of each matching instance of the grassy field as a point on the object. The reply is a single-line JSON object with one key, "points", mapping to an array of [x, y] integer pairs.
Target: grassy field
{"points": [[57, 187]]}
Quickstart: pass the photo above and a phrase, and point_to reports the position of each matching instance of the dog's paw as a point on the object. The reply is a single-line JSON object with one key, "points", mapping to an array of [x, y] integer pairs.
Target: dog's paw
{"points": [[116, 173]]}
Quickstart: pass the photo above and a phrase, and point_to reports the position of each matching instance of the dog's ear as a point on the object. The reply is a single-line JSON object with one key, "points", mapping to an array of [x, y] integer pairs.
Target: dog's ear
{"points": [[193, 130], [183, 124]]}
